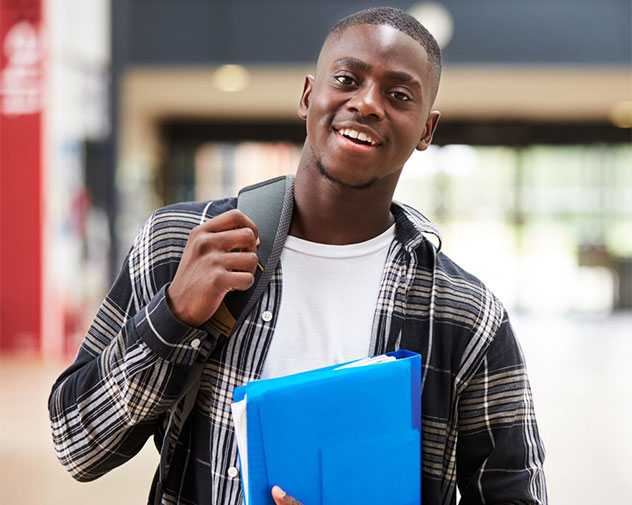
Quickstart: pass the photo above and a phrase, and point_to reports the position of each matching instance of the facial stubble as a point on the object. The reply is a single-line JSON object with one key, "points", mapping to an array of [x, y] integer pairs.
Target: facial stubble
{"points": [[323, 171]]}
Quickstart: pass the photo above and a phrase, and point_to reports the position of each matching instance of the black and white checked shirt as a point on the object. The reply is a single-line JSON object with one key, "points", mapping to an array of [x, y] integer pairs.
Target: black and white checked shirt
{"points": [[478, 424]]}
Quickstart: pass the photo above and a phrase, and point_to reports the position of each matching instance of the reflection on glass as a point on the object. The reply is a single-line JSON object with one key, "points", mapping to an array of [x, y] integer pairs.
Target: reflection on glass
{"points": [[548, 228]]}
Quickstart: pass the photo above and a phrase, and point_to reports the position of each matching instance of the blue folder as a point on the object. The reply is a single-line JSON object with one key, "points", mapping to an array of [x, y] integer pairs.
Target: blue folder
{"points": [[336, 435]]}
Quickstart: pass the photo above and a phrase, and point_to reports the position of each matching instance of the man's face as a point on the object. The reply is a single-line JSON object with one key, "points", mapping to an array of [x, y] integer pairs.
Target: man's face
{"points": [[368, 107]]}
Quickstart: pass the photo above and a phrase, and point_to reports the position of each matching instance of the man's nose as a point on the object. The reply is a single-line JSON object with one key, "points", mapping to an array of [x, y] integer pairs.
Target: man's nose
{"points": [[368, 101]]}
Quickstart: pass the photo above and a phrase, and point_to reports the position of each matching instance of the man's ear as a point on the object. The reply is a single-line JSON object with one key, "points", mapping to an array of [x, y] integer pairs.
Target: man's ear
{"points": [[303, 105], [428, 133]]}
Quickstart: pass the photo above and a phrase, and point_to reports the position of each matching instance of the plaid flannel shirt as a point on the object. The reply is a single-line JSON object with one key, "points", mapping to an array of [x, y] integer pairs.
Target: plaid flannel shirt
{"points": [[478, 423]]}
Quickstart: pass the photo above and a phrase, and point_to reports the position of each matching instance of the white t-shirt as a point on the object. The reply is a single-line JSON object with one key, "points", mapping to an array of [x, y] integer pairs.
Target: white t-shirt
{"points": [[328, 303]]}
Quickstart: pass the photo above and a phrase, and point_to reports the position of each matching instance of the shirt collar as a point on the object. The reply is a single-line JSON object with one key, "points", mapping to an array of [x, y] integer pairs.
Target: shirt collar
{"points": [[411, 226]]}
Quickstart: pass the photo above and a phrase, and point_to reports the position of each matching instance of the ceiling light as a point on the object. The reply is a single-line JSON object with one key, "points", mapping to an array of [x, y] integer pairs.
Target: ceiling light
{"points": [[231, 78], [436, 18], [621, 114]]}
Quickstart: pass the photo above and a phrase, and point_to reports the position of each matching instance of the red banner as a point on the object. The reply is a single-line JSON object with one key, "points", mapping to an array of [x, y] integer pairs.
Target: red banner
{"points": [[21, 54]]}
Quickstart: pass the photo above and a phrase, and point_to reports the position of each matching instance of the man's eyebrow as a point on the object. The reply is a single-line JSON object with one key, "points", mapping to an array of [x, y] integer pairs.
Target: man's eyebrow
{"points": [[402, 77], [353, 62]]}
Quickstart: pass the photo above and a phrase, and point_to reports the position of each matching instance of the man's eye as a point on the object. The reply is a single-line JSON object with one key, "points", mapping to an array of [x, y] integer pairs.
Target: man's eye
{"points": [[398, 95], [344, 79]]}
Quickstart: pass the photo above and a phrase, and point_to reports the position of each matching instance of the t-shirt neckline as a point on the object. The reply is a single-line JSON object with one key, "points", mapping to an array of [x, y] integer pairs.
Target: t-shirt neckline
{"points": [[377, 243]]}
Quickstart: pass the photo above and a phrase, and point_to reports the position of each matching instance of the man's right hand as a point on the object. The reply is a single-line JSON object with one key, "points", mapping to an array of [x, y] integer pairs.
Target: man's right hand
{"points": [[208, 269]]}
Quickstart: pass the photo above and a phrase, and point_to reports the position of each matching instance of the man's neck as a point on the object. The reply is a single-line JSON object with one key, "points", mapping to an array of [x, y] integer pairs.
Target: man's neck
{"points": [[330, 213]]}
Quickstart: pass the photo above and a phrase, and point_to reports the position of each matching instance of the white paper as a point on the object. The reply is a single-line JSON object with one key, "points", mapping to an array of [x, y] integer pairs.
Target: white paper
{"points": [[374, 360], [241, 433]]}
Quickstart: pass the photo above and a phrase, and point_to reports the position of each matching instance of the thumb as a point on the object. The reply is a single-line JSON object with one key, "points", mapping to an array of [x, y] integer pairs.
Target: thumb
{"points": [[282, 498]]}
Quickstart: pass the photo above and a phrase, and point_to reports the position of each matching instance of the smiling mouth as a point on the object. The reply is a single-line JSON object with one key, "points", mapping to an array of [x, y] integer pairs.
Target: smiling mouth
{"points": [[357, 137]]}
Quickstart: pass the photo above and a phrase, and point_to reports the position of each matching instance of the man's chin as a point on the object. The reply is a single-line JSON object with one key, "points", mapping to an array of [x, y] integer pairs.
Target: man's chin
{"points": [[360, 185]]}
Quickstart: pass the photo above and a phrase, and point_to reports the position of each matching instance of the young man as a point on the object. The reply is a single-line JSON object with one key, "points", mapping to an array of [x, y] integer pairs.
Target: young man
{"points": [[357, 277]]}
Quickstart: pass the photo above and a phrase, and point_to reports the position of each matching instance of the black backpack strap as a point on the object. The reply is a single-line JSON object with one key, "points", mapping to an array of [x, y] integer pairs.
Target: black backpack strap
{"points": [[189, 395], [269, 204]]}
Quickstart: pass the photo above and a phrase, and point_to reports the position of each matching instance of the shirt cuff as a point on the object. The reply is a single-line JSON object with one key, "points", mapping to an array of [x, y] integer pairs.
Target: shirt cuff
{"points": [[167, 336]]}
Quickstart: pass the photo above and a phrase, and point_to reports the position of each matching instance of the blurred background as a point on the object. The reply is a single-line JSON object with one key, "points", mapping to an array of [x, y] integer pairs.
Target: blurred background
{"points": [[112, 108]]}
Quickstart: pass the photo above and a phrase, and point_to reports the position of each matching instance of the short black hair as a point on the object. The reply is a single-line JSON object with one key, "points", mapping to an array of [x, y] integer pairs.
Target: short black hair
{"points": [[400, 20]]}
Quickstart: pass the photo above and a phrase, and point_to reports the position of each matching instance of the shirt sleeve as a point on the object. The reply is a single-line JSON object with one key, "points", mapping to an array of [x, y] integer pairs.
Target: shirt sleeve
{"points": [[130, 368], [499, 450]]}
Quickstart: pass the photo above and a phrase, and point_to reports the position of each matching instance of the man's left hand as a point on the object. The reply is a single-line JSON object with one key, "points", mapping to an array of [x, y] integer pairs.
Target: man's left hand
{"points": [[282, 498]]}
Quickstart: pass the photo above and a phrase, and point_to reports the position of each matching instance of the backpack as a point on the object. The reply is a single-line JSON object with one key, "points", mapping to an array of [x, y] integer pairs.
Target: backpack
{"points": [[269, 204]]}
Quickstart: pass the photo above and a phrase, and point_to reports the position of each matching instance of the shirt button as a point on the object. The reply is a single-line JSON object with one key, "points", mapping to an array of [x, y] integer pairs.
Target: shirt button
{"points": [[233, 472], [267, 316], [195, 343]]}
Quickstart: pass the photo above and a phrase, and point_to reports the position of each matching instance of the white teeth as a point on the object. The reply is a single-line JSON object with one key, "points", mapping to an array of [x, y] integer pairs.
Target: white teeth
{"points": [[348, 132]]}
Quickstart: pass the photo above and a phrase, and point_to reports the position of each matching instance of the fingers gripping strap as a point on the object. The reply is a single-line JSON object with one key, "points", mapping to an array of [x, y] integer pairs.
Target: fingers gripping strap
{"points": [[283, 193], [269, 204]]}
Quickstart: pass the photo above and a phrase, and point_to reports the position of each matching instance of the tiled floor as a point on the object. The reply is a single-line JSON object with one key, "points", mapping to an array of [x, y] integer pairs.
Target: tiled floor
{"points": [[581, 375], [580, 369]]}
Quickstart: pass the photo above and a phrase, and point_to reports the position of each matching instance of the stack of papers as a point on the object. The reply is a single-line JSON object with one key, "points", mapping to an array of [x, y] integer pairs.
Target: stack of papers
{"points": [[342, 434]]}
